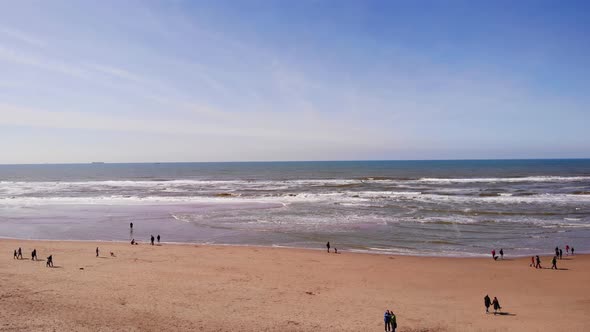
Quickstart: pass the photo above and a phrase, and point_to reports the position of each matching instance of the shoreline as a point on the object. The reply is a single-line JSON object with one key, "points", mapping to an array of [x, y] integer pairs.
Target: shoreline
{"points": [[348, 251], [197, 287]]}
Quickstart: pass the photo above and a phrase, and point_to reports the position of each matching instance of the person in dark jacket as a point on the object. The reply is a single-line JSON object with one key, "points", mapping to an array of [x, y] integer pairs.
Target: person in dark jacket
{"points": [[560, 254], [152, 240], [34, 255], [158, 238], [20, 253], [49, 261], [496, 305], [96, 251], [554, 263], [501, 253], [538, 265], [328, 246], [487, 302]]}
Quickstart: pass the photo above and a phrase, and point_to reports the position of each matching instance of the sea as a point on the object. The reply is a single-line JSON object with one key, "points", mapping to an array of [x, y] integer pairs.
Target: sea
{"points": [[435, 208]]}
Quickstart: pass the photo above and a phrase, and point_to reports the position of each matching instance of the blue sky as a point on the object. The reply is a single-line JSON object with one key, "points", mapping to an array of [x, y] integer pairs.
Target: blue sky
{"points": [[126, 81]]}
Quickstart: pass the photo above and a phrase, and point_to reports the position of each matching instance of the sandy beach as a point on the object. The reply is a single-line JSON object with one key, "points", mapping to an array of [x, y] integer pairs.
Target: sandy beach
{"points": [[222, 288]]}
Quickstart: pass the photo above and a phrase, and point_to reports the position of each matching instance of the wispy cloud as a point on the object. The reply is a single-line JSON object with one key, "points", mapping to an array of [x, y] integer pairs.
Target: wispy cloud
{"points": [[23, 58], [22, 37]]}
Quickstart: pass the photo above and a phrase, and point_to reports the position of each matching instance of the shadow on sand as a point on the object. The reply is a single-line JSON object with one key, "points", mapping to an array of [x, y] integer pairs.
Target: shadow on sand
{"points": [[504, 314]]}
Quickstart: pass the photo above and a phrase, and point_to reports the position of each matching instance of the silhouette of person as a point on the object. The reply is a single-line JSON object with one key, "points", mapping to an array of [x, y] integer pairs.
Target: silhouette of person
{"points": [[158, 238], [132, 241], [20, 253], [49, 261], [328, 246], [572, 251], [560, 254], [554, 263], [131, 225], [152, 240], [501, 253], [15, 254], [496, 305], [494, 254], [34, 255], [96, 251], [538, 265], [487, 302]]}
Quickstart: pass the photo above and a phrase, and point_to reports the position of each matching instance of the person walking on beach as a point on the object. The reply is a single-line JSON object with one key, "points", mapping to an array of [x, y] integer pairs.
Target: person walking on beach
{"points": [[15, 254], [328, 246], [557, 251], [494, 254], [158, 238], [487, 302], [532, 261], [131, 225], [49, 261], [567, 249], [572, 251], [387, 319], [496, 305], [34, 255], [502, 253], [96, 251], [554, 263], [538, 265], [152, 240], [20, 253], [560, 254]]}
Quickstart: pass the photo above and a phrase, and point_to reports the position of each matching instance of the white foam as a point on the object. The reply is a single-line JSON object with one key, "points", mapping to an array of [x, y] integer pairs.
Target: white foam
{"points": [[508, 179]]}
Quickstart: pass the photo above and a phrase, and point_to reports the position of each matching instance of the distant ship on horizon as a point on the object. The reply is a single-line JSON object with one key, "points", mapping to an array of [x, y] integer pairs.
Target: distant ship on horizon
{"points": [[97, 162]]}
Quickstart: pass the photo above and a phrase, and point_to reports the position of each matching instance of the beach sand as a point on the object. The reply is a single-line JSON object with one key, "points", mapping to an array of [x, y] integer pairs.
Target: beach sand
{"points": [[222, 288]]}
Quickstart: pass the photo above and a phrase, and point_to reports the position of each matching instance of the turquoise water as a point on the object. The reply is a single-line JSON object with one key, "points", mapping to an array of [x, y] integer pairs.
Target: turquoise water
{"points": [[458, 208]]}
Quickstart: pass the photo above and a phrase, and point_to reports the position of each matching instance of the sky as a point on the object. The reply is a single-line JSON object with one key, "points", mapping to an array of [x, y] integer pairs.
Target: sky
{"points": [[181, 81]]}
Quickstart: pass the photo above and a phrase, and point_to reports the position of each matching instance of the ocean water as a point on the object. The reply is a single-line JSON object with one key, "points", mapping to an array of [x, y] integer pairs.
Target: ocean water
{"points": [[446, 208]]}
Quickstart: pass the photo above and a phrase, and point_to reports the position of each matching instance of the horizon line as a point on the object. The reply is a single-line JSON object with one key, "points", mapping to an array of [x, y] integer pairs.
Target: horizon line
{"points": [[284, 161]]}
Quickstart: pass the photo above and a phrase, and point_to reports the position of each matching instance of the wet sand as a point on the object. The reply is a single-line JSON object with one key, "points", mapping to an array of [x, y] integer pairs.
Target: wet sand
{"points": [[221, 288]]}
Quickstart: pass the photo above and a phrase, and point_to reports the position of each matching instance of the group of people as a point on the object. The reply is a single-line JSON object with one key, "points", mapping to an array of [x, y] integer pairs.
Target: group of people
{"points": [[494, 254], [133, 242], [536, 260], [495, 303], [559, 252], [18, 254], [390, 321]]}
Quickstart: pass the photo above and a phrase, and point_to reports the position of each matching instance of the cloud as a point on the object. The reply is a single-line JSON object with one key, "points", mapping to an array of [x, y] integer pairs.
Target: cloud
{"points": [[22, 58], [269, 126], [22, 37]]}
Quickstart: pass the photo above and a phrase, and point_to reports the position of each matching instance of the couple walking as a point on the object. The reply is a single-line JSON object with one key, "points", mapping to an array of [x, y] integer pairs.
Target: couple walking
{"points": [[390, 321]]}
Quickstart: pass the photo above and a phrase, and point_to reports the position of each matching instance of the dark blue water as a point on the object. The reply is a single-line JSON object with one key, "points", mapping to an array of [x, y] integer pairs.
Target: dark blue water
{"points": [[415, 207]]}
